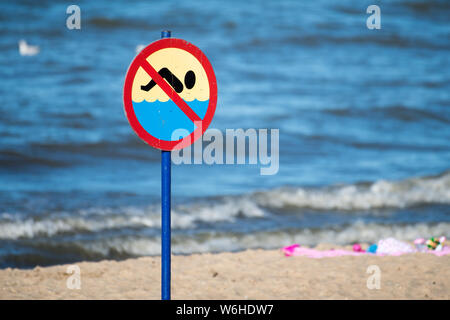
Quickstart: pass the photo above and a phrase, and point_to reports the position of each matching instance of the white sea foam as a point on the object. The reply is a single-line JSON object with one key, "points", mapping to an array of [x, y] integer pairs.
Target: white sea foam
{"points": [[99, 219], [380, 194], [357, 197], [357, 232]]}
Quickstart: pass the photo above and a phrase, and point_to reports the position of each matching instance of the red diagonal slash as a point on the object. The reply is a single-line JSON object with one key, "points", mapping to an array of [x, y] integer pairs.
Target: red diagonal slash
{"points": [[169, 90]]}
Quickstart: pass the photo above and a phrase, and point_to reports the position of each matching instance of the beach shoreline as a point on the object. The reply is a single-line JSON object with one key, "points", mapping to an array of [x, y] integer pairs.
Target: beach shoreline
{"points": [[250, 274]]}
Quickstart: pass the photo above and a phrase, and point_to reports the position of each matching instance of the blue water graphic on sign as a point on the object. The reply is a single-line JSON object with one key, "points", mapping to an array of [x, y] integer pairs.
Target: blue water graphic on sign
{"points": [[161, 119]]}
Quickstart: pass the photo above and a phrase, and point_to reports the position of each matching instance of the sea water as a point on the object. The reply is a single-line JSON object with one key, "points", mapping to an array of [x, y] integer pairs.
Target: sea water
{"points": [[363, 115]]}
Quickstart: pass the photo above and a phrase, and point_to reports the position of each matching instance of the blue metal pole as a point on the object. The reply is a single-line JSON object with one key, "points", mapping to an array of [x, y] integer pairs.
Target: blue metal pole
{"points": [[165, 216]]}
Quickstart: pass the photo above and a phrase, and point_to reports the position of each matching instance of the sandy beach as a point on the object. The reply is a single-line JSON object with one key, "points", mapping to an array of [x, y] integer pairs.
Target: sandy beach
{"points": [[251, 274]]}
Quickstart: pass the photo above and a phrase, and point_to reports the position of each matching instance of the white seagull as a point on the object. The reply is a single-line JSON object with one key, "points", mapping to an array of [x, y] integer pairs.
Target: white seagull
{"points": [[27, 50], [139, 48]]}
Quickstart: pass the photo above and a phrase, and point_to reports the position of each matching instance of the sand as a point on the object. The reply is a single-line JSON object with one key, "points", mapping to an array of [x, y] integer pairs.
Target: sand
{"points": [[252, 274]]}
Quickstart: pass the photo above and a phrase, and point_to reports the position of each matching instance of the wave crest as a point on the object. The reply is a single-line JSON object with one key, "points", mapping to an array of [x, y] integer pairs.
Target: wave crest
{"points": [[363, 196]]}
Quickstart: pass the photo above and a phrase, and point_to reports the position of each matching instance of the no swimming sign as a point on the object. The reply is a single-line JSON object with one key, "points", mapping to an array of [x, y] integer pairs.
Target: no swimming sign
{"points": [[170, 97], [170, 94]]}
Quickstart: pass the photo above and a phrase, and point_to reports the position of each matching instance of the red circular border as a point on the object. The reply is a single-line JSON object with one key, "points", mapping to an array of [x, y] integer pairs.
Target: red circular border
{"points": [[128, 103]]}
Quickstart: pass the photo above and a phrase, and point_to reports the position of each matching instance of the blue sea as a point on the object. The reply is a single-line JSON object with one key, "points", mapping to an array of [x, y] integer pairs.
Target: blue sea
{"points": [[363, 118]]}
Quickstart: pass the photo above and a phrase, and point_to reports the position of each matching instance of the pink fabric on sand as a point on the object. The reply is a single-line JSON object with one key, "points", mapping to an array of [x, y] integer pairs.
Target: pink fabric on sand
{"points": [[297, 250]]}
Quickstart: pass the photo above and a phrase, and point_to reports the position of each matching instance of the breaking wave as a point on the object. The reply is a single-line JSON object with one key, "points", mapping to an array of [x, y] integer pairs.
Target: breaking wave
{"points": [[55, 252], [104, 219], [228, 209], [363, 196]]}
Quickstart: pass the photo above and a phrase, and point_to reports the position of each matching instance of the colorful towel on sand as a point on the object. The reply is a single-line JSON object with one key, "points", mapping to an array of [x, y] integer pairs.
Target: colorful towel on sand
{"points": [[297, 250]]}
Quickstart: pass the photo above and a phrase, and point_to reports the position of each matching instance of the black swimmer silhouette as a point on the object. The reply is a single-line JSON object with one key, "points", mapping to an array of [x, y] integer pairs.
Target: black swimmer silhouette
{"points": [[177, 85]]}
